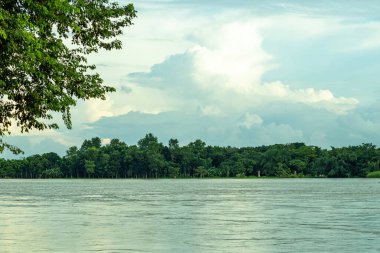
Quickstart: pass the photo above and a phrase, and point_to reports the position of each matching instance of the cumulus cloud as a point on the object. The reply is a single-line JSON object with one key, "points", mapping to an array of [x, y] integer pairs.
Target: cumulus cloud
{"points": [[235, 58], [316, 98], [226, 69], [223, 63]]}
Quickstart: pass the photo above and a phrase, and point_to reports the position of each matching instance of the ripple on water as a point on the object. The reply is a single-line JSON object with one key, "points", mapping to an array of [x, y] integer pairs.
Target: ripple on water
{"points": [[304, 215]]}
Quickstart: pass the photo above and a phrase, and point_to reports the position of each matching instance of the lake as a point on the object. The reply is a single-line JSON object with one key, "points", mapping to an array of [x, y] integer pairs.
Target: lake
{"points": [[190, 215]]}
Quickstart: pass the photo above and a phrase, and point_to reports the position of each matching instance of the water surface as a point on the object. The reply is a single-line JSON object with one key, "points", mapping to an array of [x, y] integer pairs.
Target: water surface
{"points": [[216, 215]]}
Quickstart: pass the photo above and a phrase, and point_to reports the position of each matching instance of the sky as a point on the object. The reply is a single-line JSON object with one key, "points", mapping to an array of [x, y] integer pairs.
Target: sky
{"points": [[238, 73]]}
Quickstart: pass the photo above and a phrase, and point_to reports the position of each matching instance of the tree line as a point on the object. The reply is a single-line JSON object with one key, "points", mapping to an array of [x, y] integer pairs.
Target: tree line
{"points": [[152, 159]]}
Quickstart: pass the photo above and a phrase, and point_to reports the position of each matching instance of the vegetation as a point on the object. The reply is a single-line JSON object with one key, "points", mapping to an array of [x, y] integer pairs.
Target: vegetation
{"points": [[43, 67], [152, 159], [374, 174]]}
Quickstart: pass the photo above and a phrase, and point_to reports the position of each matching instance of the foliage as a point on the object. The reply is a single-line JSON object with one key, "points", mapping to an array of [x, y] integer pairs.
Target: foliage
{"points": [[52, 173], [374, 174], [43, 67], [152, 159]]}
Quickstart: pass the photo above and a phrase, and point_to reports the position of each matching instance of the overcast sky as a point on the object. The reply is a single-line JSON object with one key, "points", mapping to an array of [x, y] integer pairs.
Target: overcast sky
{"points": [[240, 73]]}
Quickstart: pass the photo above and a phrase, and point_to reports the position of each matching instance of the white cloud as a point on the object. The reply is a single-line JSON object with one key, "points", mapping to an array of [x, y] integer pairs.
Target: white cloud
{"points": [[106, 141], [234, 60], [316, 98], [93, 110], [231, 69], [250, 120], [221, 65]]}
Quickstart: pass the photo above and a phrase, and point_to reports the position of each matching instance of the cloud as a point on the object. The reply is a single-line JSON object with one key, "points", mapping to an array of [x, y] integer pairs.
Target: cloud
{"points": [[187, 127], [225, 71], [211, 110], [250, 120], [232, 57], [221, 62], [270, 134], [277, 122], [125, 89], [106, 141], [34, 144], [174, 73], [311, 97], [217, 59]]}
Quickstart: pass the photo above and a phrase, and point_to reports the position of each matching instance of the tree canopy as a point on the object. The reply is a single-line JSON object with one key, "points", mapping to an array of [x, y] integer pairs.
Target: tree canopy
{"points": [[152, 159], [43, 67]]}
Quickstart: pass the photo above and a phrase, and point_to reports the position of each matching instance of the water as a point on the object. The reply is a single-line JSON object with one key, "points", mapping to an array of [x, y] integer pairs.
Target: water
{"points": [[219, 215]]}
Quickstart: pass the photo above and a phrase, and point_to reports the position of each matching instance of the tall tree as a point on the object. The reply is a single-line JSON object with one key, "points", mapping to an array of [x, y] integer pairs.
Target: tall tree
{"points": [[39, 72], [152, 153]]}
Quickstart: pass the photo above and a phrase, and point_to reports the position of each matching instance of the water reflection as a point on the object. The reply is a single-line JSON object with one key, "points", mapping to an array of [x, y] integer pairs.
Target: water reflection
{"points": [[189, 215]]}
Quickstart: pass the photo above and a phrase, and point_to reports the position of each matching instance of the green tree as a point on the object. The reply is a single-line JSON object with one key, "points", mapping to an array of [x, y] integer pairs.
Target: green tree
{"points": [[90, 167], [36, 164], [89, 151], [52, 173], [193, 157], [275, 157], [201, 171], [135, 162], [154, 162], [43, 67], [70, 162], [297, 166], [173, 171]]}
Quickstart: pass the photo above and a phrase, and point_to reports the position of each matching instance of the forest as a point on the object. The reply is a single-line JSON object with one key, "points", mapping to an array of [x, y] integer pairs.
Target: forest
{"points": [[152, 159]]}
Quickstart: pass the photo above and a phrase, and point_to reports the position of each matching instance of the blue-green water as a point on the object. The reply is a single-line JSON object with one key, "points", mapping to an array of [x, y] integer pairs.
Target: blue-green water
{"points": [[219, 215]]}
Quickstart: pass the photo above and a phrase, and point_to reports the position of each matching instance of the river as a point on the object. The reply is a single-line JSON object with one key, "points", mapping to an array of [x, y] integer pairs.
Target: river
{"points": [[190, 215]]}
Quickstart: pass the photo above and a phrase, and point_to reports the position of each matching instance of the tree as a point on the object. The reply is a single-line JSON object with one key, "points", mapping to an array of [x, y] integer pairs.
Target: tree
{"points": [[200, 171], [154, 161], [40, 72], [71, 162], [90, 167], [52, 173]]}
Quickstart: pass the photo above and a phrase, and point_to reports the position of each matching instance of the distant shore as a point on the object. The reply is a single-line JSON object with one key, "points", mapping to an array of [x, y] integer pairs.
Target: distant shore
{"points": [[152, 159]]}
